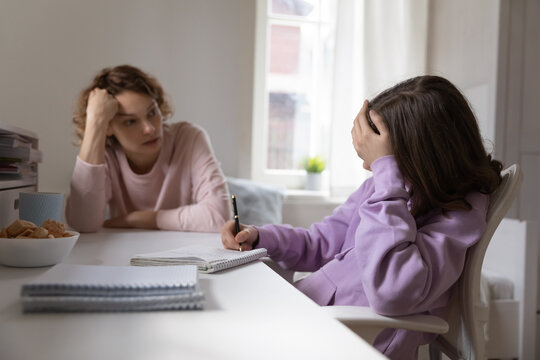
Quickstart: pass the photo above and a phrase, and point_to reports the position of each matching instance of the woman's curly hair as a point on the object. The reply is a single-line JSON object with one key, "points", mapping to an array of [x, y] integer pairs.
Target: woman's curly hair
{"points": [[117, 80]]}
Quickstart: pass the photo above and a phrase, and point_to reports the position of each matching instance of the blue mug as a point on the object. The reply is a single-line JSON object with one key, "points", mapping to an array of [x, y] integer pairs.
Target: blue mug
{"points": [[40, 206]]}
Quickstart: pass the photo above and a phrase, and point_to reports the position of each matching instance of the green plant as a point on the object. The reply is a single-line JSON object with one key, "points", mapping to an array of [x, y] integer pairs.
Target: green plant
{"points": [[314, 164]]}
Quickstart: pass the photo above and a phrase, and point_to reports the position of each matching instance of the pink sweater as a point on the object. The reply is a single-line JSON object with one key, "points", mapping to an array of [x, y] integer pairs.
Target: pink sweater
{"points": [[186, 186]]}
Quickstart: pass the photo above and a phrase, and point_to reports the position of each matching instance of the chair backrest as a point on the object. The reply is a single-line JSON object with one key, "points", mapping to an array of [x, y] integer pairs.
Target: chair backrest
{"points": [[467, 317]]}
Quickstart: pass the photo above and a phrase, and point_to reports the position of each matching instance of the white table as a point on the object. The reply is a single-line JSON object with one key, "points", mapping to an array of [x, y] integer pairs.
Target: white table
{"points": [[250, 313]]}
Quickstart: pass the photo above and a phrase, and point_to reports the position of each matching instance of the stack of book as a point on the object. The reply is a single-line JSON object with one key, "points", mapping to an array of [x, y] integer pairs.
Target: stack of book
{"points": [[19, 156], [81, 288]]}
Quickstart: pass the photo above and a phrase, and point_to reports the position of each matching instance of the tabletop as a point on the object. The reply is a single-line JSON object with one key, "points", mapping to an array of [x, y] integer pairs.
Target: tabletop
{"points": [[250, 312]]}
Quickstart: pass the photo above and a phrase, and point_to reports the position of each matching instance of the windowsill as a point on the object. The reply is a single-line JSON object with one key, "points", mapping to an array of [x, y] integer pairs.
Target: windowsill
{"points": [[301, 208], [311, 196]]}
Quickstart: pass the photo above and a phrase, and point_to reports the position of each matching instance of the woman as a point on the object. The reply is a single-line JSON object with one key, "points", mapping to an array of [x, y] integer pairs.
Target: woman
{"points": [[151, 175], [398, 243]]}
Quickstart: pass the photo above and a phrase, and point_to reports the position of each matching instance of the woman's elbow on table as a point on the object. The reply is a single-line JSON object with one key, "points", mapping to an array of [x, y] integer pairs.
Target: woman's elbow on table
{"points": [[84, 226]]}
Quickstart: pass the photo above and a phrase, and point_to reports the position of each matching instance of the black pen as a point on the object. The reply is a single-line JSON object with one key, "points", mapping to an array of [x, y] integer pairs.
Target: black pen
{"points": [[236, 220]]}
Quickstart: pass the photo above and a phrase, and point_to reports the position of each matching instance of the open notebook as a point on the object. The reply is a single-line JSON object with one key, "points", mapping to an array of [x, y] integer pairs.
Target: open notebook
{"points": [[208, 259], [69, 287]]}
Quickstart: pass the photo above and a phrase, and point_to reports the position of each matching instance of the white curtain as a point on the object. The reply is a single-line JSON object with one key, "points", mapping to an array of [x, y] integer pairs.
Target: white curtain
{"points": [[378, 43]]}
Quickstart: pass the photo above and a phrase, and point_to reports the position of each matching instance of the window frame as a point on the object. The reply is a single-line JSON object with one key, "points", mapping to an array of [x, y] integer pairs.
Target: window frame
{"points": [[291, 178]]}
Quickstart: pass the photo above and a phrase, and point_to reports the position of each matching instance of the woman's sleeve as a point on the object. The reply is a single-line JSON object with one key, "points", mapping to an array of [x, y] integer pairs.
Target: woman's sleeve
{"points": [[308, 249], [404, 269], [89, 195], [211, 207]]}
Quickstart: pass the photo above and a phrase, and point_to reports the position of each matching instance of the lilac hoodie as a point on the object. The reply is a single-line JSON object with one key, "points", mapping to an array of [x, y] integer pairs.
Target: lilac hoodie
{"points": [[371, 251], [185, 186]]}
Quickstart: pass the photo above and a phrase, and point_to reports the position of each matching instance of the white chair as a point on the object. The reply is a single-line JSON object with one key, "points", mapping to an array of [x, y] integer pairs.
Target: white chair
{"points": [[463, 337]]}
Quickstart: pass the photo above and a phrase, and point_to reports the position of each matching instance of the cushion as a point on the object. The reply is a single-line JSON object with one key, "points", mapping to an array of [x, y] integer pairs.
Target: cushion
{"points": [[257, 203], [500, 288]]}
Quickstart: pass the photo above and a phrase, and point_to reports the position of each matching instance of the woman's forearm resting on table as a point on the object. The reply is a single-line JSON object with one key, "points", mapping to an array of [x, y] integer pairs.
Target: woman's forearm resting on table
{"points": [[206, 216], [136, 219], [86, 205]]}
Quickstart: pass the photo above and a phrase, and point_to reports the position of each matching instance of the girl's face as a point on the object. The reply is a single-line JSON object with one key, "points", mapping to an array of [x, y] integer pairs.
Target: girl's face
{"points": [[138, 127]]}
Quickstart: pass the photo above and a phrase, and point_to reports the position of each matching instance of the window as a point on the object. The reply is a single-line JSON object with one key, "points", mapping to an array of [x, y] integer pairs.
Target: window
{"points": [[315, 63], [293, 87]]}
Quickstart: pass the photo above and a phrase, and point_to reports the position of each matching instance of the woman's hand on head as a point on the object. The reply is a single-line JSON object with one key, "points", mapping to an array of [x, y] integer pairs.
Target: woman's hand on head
{"points": [[245, 237], [368, 144], [101, 109]]}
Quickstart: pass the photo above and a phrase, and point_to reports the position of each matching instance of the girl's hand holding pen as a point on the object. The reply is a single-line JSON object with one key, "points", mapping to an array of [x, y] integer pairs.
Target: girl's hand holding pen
{"points": [[247, 236]]}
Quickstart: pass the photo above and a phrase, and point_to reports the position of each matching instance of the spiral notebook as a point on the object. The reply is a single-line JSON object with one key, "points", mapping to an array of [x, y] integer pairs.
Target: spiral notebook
{"points": [[70, 287], [208, 259]]}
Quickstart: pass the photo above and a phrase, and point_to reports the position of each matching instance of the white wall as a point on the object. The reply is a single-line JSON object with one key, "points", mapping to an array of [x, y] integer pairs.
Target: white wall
{"points": [[518, 121], [493, 54], [201, 51], [462, 46]]}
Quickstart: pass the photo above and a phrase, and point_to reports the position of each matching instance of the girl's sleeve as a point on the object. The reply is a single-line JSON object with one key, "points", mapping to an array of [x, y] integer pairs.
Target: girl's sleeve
{"points": [[90, 192], [308, 249], [404, 269], [211, 207]]}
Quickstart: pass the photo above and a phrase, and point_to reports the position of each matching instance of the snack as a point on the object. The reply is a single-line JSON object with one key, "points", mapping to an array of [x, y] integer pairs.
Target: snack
{"points": [[39, 232], [18, 227], [26, 229], [25, 234], [57, 229]]}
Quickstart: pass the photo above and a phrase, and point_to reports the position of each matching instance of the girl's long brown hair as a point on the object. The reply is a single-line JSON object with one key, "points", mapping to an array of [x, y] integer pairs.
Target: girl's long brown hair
{"points": [[436, 143], [116, 80]]}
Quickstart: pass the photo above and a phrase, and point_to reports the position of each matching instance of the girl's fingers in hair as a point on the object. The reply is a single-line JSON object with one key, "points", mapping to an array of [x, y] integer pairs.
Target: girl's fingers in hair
{"points": [[378, 121], [360, 121], [357, 123], [363, 122]]}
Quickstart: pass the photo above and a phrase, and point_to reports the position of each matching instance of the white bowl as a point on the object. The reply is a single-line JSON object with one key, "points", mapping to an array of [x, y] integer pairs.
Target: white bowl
{"points": [[35, 252]]}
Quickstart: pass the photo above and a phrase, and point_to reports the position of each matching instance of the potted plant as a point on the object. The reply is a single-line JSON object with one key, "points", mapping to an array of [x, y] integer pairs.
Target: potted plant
{"points": [[314, 166]]}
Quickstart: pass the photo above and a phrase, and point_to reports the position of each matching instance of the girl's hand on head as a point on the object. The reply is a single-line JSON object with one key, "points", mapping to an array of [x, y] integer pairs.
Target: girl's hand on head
{"points": [[101, 108], [247, 236], [368, 144]]}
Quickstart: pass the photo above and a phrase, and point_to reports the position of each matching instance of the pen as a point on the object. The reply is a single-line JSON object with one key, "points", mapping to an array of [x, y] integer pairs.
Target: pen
{"points": [[236, 220]]}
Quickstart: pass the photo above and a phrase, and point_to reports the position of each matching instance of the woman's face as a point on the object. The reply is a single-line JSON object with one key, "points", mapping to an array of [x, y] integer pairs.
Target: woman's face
{"points": [[137, 126]]}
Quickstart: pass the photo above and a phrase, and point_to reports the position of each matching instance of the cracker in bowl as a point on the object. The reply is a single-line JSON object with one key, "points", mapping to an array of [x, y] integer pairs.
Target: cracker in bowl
{"points": [[22, 229]]}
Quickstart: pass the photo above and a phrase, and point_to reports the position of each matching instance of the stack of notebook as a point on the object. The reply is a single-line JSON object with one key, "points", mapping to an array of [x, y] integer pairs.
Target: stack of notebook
{"points": [[208, 259], [67, 287], [19, 155]]}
